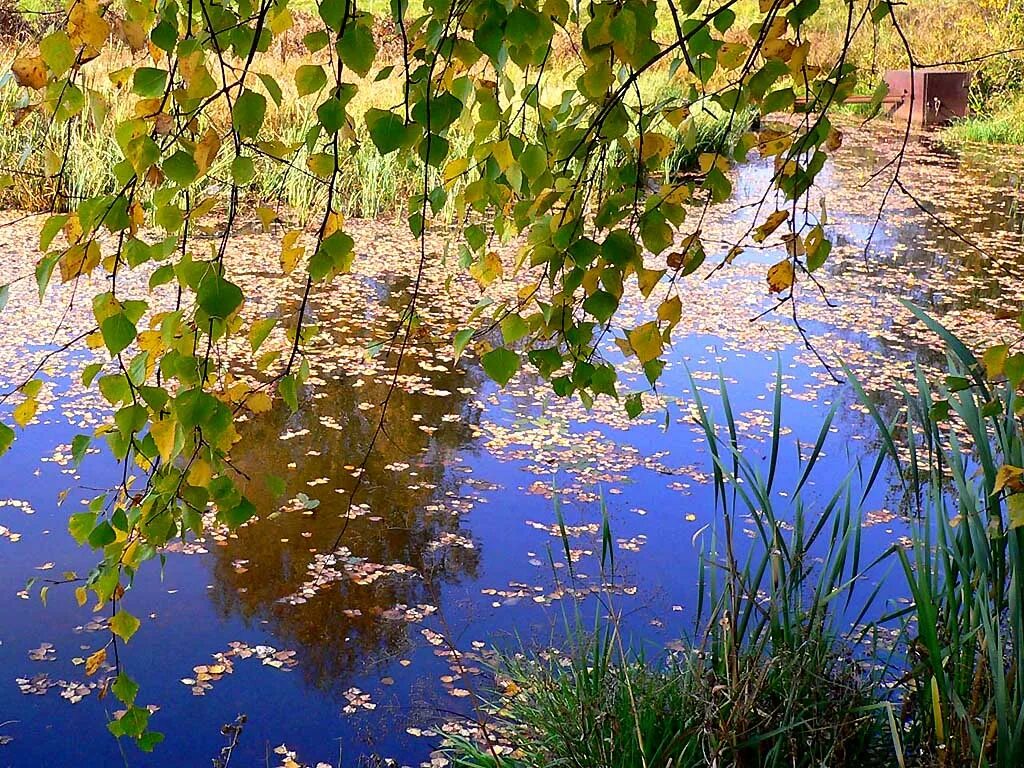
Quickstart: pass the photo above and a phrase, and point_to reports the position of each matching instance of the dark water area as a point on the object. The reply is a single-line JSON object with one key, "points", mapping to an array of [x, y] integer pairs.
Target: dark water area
{"points": [[451, 543]]}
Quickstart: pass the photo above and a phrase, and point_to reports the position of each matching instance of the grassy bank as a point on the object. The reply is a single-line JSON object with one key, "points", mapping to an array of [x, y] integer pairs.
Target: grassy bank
{"points": [[370, 184], [1004, 126], [775, 676]]}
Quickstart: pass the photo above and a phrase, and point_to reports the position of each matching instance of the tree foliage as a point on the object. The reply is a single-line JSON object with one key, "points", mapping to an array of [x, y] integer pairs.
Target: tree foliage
{"points": [[566, 158]]}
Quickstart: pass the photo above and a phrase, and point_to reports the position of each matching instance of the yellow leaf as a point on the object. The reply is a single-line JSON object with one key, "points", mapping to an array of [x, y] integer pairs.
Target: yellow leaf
{"points": [[647, 279], [732, 55], [454, 169], [333, 223], [772, 142], [30, 72], [72, 229], [267, 216], [670, 310], [79, 260], [259, 402], [87, 28], [502, 154], [131, 33], [646, 341], [772, 223], [676, 116], [95, 661], [675, 194], [834, 140], [654, 145], [1008, 476], [163, 433], [1016, 505], [780, 276], [200, 474], [290, 252], [798, 58], [24, 413], [487, 269], [136, 215], [151, 341], [206, 150], [81, 596], [994, 361], [778, 48], [709, 160]]}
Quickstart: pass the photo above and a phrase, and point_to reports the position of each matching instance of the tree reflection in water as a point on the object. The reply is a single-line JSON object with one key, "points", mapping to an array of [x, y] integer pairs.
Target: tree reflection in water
{"points": [[400, 514]]}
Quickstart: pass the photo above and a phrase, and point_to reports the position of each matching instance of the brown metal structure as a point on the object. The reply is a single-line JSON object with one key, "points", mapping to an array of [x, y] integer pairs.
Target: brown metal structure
{"points": [[930, 98]]}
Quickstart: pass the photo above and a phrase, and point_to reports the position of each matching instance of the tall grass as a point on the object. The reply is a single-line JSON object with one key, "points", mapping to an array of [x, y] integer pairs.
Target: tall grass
{"points": [[369, 185], [964, 701], [766, 679]]}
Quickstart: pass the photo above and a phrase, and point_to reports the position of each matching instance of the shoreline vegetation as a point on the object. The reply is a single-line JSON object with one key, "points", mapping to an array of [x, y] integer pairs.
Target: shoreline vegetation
{"points": [[770, 679], [371, 185]]}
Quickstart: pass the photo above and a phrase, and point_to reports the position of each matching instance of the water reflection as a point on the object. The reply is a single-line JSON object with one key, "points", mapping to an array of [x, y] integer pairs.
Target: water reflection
{"points": [[406, 511]]}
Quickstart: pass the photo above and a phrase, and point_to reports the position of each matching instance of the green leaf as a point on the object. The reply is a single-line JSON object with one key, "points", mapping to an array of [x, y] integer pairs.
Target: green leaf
{"points": [[79, 445], [331, 115], [388, 131], [238, 514], [634, 405], [288, 388], [125, 689], [6, 438], [149, 82], [601, 305], [132, 723], [118, 332], [273, 88], [102, 535], [248, 113], [500, 364], [81, 525], [243, 170], [357, 49], [181, 168], [58, 52], [219, 297], [259, 332], [462, 338], [124, 625], [310, 78], [513, 328], [533, 161]]}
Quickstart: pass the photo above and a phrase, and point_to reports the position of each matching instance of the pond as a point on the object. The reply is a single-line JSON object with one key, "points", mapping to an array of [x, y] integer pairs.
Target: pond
{"points": [[358, 613]]}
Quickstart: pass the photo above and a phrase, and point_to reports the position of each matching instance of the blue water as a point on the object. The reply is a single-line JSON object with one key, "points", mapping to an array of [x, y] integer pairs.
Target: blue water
{"points": [[504, 591]]}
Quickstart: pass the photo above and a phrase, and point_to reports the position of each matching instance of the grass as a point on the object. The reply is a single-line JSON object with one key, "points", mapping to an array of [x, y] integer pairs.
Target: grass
{"points": [[370, 185], [769, 680], [965, 629], [766, 680], [594, 709], [1005, 126]]}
